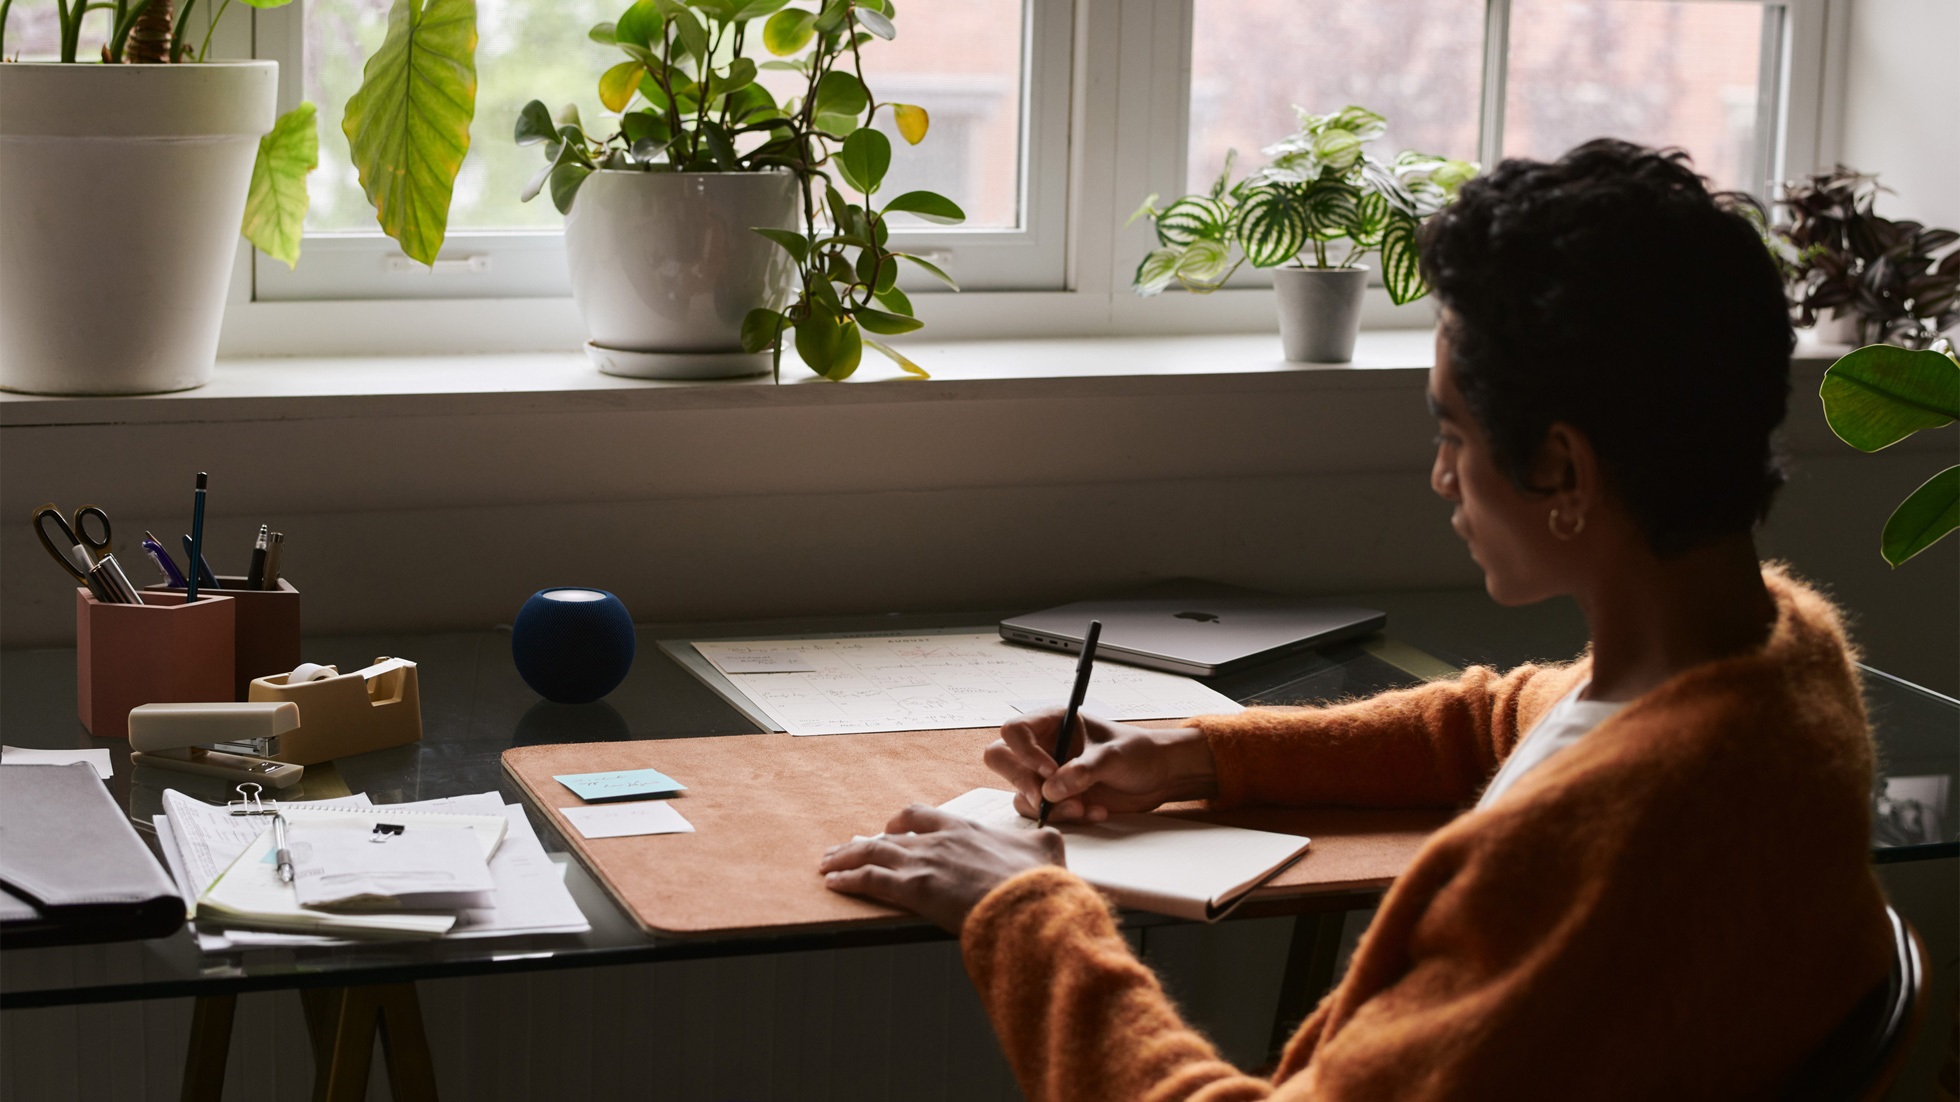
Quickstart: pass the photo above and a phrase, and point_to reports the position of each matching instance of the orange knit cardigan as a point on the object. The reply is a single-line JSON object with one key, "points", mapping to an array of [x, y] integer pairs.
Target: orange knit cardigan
{"points": [[1681, 905]]}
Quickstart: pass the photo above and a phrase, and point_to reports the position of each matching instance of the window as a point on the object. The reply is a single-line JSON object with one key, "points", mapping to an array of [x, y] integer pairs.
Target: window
{"points": [[1053, 119], [1484, 79], [977, 67]]}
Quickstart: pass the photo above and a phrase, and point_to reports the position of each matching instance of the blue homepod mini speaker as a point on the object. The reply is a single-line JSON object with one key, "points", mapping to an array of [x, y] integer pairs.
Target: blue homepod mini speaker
{"points": [[572, 646]]}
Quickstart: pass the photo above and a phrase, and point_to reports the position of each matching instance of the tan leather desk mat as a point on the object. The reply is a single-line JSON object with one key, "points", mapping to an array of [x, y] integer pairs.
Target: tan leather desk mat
{"points": [[765, 807]]}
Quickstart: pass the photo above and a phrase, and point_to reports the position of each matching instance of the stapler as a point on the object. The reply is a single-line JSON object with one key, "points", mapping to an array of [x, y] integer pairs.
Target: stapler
{"points": [[178, 736]]}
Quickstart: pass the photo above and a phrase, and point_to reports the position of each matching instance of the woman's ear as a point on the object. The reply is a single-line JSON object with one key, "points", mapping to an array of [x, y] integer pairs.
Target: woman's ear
{"points": [[1568, 468]]}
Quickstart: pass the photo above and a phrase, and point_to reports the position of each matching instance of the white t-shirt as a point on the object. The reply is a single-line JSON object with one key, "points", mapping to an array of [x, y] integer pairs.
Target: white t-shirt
{"points": [[1566, 723]]}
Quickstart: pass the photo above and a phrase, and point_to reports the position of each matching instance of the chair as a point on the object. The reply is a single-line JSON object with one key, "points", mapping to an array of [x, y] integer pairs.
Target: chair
{"points": [[1861, 1058]]}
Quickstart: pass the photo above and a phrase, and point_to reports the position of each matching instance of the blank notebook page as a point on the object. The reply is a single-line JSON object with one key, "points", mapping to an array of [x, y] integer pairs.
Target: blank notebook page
{"points": [[1173, 866]]}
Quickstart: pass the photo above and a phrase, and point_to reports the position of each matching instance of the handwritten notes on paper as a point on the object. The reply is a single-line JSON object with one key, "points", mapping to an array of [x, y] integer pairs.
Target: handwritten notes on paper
{"points": [[624, 784], [942, 682]]}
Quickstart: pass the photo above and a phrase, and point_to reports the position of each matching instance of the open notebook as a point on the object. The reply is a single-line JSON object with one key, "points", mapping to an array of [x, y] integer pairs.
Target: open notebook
{"points": [[1172, 866]]}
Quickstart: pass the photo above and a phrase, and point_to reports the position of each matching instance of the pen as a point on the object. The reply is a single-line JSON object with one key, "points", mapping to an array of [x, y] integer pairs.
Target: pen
{"points": [[197, 540], [285, 852], [272, 556], [1083, 666], [171, 576], [255, 574], [206, 577]]}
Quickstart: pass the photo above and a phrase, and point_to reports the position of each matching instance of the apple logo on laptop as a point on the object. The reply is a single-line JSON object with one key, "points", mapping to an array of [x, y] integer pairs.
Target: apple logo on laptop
{"points": [[1201, 617]]}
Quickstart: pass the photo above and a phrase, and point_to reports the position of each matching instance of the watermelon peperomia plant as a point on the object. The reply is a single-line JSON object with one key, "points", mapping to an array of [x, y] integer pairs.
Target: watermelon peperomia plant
{"points": [[408, 126], [1320, 187]]}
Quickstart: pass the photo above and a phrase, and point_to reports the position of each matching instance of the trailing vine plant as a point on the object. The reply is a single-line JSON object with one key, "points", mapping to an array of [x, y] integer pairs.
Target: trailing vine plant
{"points": [[688, 99]]}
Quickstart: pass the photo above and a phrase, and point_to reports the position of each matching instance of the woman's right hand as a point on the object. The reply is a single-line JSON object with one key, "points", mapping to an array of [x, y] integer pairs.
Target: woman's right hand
{"points": [[1114, 767]]}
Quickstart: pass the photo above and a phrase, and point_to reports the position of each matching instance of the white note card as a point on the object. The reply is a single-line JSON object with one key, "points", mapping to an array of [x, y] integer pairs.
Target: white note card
{"points": [[942, 682], [627, 820], [756, 658], [99, 758]]}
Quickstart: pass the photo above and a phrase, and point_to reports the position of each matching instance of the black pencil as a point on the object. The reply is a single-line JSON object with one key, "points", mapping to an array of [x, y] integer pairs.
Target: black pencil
{"points": [[1082, 667]]}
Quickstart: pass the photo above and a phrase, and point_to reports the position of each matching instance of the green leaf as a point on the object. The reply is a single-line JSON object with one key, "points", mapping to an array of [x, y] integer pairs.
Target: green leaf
{"points": [[740, 75], [927, 205], [840, 93], [643, 126], [788, 31], [1371, 216], [617, 84], [1330, 209], [275, 207], [1337, 149], [1926, 514], [1204, 261], [565, 181], [797, 245], [913, 121], [408, 125], [907, 365], [760, 328], [642, 25], [1147, 210], [605, 34], [877, 23], [720, 145], [890, 325], [1271, 230], [723, 10], [829, 345], [1191, 218], [693, 36], [895, 300], [1878, 395], [831, 17], [756, 9], [534, 124], [932, 268], [1401, 265], [865, 157], [1158, 269]]}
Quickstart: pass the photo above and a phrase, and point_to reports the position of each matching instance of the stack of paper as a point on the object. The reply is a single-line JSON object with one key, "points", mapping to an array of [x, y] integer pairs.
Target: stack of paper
{"points": [[200, 842], [852, 684]]}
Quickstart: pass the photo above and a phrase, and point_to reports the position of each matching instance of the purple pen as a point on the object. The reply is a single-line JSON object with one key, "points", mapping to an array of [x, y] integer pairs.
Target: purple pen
{"points": [[172, 577]]}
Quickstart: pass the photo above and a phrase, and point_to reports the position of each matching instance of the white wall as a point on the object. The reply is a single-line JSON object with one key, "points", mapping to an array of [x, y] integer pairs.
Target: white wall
{"points": [[1902, 105]]}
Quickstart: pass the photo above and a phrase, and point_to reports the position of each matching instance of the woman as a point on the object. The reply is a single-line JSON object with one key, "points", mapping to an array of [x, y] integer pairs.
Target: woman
{"points": [[1663, 888]]}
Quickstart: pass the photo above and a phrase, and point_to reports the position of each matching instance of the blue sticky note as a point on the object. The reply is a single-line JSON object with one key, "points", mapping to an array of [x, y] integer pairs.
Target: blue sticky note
{"points": [[625, 784]]}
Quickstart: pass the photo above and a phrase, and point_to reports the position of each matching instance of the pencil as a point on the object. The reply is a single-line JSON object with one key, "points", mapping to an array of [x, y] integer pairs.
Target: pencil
{"points": [[1083, 666]]}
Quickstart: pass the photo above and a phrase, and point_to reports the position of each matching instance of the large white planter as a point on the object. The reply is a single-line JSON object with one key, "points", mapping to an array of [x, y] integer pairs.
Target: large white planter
{"points": [[665, 265], [121, 192], [1319, 312]]}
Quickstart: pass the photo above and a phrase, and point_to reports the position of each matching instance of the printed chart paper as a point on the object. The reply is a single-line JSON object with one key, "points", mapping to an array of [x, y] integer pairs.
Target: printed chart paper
{"points": [[943, 682]]}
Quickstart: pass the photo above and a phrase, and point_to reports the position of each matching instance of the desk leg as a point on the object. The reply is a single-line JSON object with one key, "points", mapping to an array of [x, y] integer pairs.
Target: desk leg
{"points": [[342, 1021], [204, 1064], [1309, 973]]}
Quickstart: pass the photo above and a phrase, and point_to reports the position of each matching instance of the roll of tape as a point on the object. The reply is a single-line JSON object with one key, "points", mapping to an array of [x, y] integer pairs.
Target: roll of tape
{"points": [[310, 671]]}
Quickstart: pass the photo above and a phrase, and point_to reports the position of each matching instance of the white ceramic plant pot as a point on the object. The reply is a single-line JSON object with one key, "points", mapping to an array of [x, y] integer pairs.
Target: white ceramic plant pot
{"points": [[121, 192], [665, 265], [1319, 312]]}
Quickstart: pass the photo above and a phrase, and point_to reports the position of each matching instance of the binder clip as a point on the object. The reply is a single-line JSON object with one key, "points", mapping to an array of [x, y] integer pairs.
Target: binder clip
{"points": [[180, 737], [249, 803], [344, 713]]}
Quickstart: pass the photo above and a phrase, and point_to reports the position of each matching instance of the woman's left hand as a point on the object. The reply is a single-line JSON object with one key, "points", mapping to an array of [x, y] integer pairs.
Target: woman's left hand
{"points": [[936, 863]]}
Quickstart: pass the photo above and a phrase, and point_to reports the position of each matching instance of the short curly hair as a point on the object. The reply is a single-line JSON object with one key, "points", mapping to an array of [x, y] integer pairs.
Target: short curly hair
{"points": [[1611, 290]]}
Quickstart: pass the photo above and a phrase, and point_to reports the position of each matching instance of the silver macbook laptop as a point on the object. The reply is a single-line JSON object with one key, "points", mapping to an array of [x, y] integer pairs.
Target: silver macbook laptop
{"points": [[1198, 628]]}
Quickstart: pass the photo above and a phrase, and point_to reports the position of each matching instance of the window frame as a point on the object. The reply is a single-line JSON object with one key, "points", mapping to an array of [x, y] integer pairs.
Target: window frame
{"points": [[1108, 115], [531, 263]]}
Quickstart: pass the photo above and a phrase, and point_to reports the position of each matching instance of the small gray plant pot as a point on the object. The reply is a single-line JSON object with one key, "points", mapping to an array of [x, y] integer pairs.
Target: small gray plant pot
{"points": [[1319, 312]]}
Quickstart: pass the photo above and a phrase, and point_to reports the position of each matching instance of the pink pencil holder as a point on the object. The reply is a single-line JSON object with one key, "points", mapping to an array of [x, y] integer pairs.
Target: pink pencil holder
{"points": [[266, 628], [161, 651]]}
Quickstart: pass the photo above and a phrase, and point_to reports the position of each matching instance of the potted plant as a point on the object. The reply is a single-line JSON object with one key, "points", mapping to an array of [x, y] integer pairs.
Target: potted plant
{"points": [[1877, 396], [1320, 191], [127, 182], [710, 221], [1859, 278]]}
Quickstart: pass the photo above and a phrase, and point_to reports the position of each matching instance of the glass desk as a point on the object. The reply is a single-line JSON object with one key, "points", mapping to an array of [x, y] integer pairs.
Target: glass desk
{"points": [[474, 706]]}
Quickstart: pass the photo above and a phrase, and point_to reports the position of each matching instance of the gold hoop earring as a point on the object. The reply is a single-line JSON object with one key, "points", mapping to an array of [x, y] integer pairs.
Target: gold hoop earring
{"points": [[1578, 526]]}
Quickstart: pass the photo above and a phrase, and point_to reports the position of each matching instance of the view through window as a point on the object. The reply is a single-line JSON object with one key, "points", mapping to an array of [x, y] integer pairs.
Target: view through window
{"points": [[961, 62], [1659, 72]]}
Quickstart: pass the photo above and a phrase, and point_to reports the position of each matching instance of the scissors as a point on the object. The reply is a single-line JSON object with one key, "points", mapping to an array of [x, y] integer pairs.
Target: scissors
{"points": [[73, 545]]}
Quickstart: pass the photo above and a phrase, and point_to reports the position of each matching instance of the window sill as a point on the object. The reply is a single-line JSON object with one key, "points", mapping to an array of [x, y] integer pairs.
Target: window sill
{"points": [[314, 388]]}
